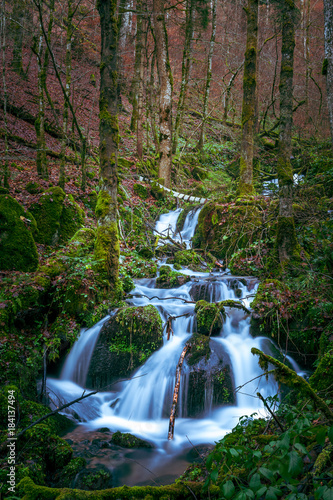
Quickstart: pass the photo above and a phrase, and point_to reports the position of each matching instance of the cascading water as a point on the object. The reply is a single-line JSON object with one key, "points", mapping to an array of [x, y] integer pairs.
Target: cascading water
{"points": [[142, 405]]}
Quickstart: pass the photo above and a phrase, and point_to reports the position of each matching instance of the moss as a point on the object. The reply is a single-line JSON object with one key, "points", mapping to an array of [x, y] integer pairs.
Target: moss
{"points": [[176, 491], [189, 258], [321, 380], [83, 241], [107, 250], [47, 213], [171, 279], [33, 187], [17, 247], [199, 349], [141, 191], [72, 218], [126, 440], [209, 321], [156, 191]]}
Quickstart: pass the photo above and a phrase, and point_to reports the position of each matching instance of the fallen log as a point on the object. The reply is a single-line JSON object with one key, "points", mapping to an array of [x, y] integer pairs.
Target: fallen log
{"points": [[187, 347]]}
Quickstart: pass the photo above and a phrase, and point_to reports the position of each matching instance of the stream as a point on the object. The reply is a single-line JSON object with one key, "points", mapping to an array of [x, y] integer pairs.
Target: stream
{"points": [[142, 405]]}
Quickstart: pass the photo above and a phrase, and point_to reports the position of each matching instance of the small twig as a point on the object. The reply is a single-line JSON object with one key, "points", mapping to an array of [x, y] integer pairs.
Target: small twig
{"points": [[270, 411]]}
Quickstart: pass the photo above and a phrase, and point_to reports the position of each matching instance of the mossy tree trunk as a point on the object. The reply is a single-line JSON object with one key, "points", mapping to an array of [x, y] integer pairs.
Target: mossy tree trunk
{"points": [[4, 178], [186, 65], [137, 67], [208, 77], [249, 99], [151, 101], [18, 16], [107, 241], [328, 63], [286, 234], [69, 36], [165, 93]]}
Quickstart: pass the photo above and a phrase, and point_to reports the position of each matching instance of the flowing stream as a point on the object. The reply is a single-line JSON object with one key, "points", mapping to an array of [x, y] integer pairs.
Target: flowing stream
{"points": [[142, 405]]}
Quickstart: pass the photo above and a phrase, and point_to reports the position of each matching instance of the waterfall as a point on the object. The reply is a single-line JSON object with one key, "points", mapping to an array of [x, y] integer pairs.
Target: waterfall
{"points": [[142, 404]]}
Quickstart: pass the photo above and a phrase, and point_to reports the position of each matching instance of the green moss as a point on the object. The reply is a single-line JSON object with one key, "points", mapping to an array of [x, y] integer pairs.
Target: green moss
{"points": [[83, 241], [171, 279], [107, 250], [17, 247], [321, 380], [199, 349], [209, 321], [72, 218], [190, 259], [141, 191], [126, 440], [104, 201], [33, 187]]}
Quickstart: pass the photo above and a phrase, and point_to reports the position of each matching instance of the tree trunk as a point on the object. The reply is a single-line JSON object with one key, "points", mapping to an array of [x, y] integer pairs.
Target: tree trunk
{"points": [[4, 179], [208, 77], [249, 99], [69, 35], [137, 66], [107, 241], [165, 93], [39, 124], [19, 8], [186, 65], [286, 234], [328, 63]]}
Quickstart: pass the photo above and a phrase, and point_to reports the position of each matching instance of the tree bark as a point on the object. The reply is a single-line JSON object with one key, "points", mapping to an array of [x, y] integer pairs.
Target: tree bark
{"points": [[186, 65], [286, 234], [176, 392], [137, 66], [328, 63], [107, 241], [19, 8], [249, 99], [69, 36], [165, 93], [208, 77], [5, 169]]}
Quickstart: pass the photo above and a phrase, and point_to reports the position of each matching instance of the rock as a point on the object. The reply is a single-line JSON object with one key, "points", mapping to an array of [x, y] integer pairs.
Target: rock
{"points": [[125, 342], [209, 320], [170, 279], [18, 251], [57, 215], [209, 377], [126, 440]]}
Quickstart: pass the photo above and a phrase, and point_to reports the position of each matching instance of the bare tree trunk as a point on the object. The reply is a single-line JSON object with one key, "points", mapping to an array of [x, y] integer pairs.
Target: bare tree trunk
{"points": [[151, 102], [39, 124], [328, 64], [5, 169], [249, 99], [176, 392], [208, 77], [186, 65], [69, 35], [228, 93], [165, 94], [107, 241], [286, 234]]}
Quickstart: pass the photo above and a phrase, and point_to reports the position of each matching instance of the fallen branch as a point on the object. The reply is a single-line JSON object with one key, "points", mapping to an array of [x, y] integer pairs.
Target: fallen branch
{"points": [[160, 298], [290, 378], [235, 304], [270, 411], [176, 392]]}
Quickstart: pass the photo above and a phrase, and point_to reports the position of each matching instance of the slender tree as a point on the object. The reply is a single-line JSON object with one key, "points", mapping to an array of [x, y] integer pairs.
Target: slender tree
{"points": [[18, 16], [165, 93], [186, 65], [328, 63], [286, 234], [249, 99], [5, 170], [208, 77], [137, 66], [107, 241]]}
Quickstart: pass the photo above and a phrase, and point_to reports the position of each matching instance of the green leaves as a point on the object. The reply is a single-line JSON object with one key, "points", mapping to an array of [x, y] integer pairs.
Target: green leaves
{"points": [[228, 489]]}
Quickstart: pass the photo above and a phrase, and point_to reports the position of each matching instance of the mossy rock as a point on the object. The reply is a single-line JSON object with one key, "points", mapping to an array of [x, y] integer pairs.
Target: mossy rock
{"points": [[33, 187], [170, 279], [126, 440], [18, 251], [190, 259], [199, 349], [157, 191], [209, 320], [58, 216], [125, 342], [83, 241], [141, 191]]}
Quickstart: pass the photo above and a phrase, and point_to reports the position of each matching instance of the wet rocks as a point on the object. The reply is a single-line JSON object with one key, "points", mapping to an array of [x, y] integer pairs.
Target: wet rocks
{"points": [[170, 279], [126, 440]]}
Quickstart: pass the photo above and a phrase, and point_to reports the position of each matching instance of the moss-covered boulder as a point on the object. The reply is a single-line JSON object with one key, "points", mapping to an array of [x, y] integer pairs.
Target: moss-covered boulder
{"points": [[170, 279], [141, 191], [18, 250], [125, 342], [224, 227], [209, 377], [57, 215], [188, 258], [209, 319], [126, 440]]}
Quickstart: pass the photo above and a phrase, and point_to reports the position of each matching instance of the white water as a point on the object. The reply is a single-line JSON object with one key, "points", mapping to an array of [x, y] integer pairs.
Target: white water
{"points": [[142, 405]]}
